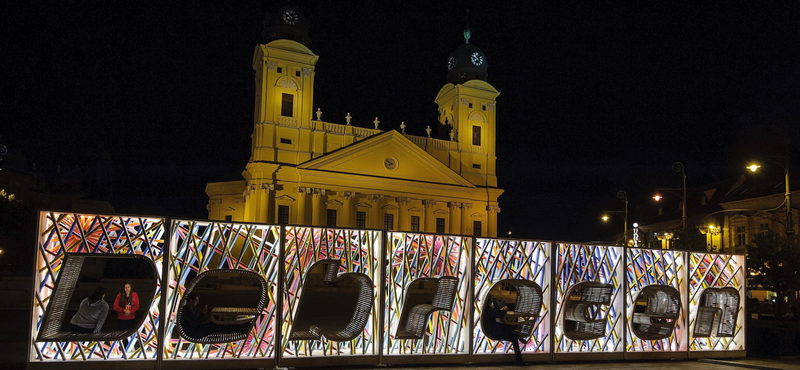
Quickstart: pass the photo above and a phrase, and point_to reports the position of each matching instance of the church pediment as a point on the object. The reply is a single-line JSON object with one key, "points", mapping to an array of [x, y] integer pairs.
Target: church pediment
{"points": [[387, 155]]}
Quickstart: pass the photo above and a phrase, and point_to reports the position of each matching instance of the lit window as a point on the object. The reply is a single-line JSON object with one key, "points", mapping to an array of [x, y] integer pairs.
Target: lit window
{"points": [[415, 223], [388, 221], [361, 220], [741, 235], [283, 214], [287, 105], [331, 220], [476, 135]]}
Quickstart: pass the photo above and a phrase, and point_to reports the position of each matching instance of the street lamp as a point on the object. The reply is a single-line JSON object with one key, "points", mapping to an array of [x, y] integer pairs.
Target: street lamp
{"points": [[753, 167], [677, 167]]}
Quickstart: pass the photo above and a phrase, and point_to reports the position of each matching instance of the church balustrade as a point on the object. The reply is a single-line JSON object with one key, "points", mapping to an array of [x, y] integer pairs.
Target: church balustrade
{"points": [[365, 132], [315, 296], [334, 128], [288, 121]]}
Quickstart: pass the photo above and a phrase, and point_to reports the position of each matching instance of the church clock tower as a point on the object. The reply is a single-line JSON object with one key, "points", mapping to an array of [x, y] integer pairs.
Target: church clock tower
{"points": [[284, 89], [467, 105]]}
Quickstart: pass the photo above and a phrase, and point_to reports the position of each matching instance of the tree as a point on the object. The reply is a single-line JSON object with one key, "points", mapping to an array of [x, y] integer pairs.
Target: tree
{"points": [[691, 240], [773, 262]]}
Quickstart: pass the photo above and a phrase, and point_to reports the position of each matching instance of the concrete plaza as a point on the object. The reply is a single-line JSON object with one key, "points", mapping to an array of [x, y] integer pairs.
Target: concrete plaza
{"points": [[746, 363]]}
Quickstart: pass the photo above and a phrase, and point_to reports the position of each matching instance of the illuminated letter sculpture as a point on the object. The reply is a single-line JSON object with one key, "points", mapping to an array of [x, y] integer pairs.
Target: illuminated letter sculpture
{"points": [[527, 303], [237, 298], [83, 273], [332, 304], [423, 297], [656, 312], [717, 313], [582, 313]]}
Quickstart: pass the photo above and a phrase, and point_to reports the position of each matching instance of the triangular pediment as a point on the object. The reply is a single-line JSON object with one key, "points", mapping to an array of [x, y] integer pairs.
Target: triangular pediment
{"points": [[387, 155]]}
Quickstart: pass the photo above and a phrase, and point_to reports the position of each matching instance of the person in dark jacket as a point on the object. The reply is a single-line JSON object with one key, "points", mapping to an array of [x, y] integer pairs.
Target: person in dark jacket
{"points": [[92, 313], [492, 320], [196, 325]]}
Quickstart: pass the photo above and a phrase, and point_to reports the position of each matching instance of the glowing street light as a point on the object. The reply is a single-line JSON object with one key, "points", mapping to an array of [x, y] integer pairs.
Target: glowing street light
{"points": [[605, 218], [753, 167], [677, 167]]}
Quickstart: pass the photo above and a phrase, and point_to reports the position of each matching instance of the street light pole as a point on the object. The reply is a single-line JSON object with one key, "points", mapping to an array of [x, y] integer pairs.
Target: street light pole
{"points": [[788, 195], [678, 167], [624, 196]]}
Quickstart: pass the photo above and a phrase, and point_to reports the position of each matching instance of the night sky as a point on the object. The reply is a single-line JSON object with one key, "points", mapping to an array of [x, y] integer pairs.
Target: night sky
{"points": [[596, 97]]}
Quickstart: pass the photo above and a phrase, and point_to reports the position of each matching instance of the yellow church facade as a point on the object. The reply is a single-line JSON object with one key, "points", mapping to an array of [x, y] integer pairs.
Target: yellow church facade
{"points": [[305, 171]]}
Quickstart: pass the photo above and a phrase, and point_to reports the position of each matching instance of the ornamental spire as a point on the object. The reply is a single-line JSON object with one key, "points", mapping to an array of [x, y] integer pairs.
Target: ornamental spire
{"points": [[467, 32]]}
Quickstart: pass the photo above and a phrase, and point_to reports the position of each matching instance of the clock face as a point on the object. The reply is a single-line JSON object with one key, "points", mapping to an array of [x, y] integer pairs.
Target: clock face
{"points": [[451, 63], [290, 17], [390, 163], [476, 58]]}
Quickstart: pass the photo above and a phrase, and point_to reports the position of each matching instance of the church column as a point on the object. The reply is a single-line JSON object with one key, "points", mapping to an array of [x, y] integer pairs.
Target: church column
{"points": [[301, 218], [316, 206], [249, 203], [491, 228], [402, 223], [466, 220], [430, 221], [263, 211], [376, 221], [455, 217], [268, 209], [347, 209]]}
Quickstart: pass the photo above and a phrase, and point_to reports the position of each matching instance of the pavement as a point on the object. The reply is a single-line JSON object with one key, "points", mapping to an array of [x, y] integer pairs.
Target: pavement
{"points": [[746, 363]]}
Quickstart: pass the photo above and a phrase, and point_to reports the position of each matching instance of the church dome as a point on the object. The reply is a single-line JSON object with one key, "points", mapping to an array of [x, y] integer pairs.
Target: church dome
{"points": [[466, 63], [289, 23]]}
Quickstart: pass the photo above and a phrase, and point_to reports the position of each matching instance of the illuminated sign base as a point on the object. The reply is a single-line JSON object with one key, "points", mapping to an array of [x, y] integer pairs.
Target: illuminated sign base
{"points": [[116, 291]]}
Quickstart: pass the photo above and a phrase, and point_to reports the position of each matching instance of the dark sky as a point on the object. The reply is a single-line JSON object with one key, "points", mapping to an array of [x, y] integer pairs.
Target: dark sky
{"points": [[596, 97]]}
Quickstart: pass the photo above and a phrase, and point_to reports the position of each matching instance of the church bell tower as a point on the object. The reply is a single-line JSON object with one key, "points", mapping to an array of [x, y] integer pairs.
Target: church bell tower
{"points": [[468, 104]]}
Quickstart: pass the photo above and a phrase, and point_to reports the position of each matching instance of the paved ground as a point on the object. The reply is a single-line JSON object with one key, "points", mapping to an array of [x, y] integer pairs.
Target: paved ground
{"points": [[751, 363]]}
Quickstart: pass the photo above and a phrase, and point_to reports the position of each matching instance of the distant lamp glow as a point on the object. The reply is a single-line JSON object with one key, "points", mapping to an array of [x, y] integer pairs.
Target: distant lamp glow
{"points": [[657, 197], [635, 224], [604, 218], [753, 167], [630, 243]]}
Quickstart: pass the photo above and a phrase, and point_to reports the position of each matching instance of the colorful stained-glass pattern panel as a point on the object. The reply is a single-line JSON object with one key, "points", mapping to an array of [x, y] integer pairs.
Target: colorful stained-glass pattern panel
{"points": [[500, 259], [709, 270], [645, 267], [61, 233], [200, 246], [578, 263], [357, 251], [412, 256]]}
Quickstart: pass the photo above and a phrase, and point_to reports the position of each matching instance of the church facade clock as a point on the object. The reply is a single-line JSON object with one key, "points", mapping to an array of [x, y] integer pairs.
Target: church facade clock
{"points": [[306, 171]]}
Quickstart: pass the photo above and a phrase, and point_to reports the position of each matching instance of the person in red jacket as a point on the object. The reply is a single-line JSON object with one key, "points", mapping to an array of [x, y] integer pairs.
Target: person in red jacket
{"points": [[126, 304]]}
